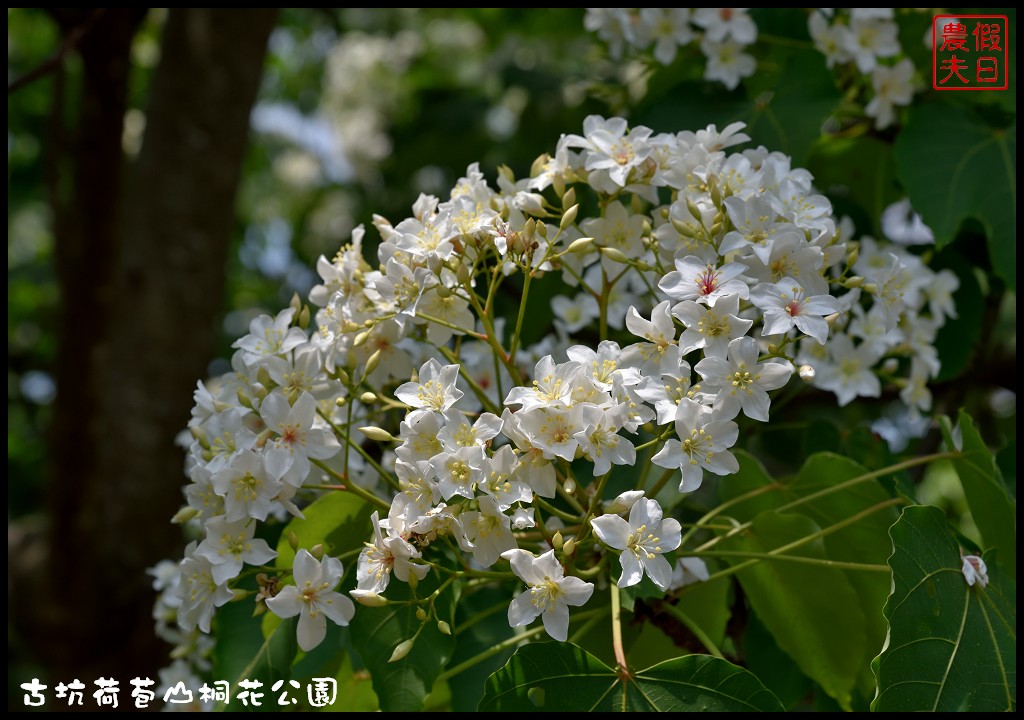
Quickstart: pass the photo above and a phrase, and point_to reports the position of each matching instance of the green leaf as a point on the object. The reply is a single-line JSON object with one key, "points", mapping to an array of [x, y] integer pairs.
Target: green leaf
{"points": [[954, 167], [957, 341], [240, 654], [801, 603], [339, 520], [858, 174], [789, 112], [376, 632], [992, 509], [553, 677], [951, 646], [865, 541], [752, 478]]}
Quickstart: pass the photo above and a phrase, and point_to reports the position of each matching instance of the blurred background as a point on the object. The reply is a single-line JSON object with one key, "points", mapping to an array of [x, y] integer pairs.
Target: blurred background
{"points": [[171, 174]]}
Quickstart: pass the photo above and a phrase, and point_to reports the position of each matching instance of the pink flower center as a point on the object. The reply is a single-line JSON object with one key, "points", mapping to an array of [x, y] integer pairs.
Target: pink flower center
{"points": [[707, 281]]}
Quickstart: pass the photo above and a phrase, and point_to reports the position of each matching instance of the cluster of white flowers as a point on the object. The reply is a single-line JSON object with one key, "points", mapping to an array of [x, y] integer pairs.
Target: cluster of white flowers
{"points": [[867, 39], [722, 34], [715, 271], [862, 38]]}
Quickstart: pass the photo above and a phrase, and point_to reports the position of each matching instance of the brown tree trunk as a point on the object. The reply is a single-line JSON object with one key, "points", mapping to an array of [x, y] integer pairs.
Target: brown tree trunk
{"points": [[142, 284]]}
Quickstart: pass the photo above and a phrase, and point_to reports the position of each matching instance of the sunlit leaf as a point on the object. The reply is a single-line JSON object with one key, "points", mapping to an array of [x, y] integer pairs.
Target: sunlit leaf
{"points": [[992, 509], [951, 646], [811, 610], [563, 677], [339, 520]]}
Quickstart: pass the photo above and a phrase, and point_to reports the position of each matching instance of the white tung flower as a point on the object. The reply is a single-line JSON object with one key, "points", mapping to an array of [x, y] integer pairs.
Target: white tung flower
{"points": [[313, 599], [642, 540], [741, 381], [435, 390], [703, 444], [975, 571], [549, 593], [786, 306]]}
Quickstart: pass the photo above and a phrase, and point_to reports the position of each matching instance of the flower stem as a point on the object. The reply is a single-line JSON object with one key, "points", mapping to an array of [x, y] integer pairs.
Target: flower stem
{"points": [[783, 549], [838, 565], [693, 627], [527, 277], [912, 462], [504, 645], [620, 653], [384, 474], [351, 487]]}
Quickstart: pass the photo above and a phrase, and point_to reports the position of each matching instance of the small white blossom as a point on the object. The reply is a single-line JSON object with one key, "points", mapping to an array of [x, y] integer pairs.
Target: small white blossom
{"points": [[975, 571], [313, 599], [642, 540], [549, 592]]}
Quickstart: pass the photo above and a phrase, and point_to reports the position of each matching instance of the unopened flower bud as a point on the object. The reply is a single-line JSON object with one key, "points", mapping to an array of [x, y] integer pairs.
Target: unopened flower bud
{"points": [[402, 650], [870, 288], [369, 599], [372, 362], [569, 485], [367, 398], [444, 627], [691, 206], [239, 594], [890, 365], [304, 317], [580, 244], [442, 291], [263, 376], [854, 256], [558, 183], [184, 515], [413, 581], [569, 217], [342, 376], [569, 547], [259, 609], [569, 198], [376, 433], [615, 255], [556, 540], [853, 282], [293, 540], [296, 302], [340, 402], [360, 338], [317, 551], [538, 165], [200, 435], [421, 614], [806, 373], [831, 319]]}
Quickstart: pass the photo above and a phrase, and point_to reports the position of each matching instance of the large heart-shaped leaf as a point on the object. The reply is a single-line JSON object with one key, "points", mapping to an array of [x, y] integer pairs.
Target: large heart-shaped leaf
{"points": [[377, 631], [950, 646], [863, 542], [339, 520], [994, 512], [242, 653], [811, 610], [563, 677], [954, 167]]}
